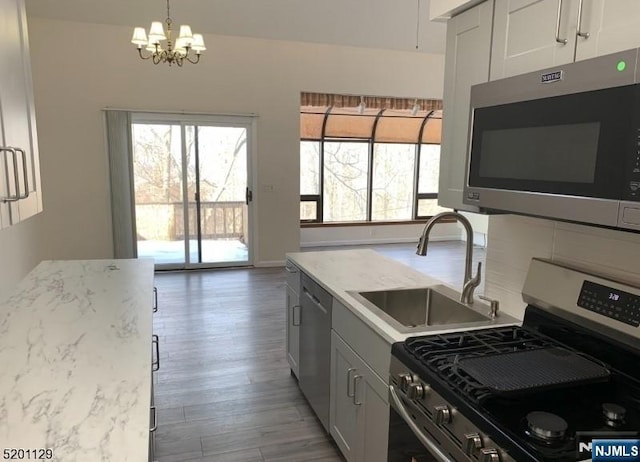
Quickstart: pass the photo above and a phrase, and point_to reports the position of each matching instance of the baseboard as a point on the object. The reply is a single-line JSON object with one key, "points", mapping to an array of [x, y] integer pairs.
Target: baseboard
{"points": [[404, 240], [269, 263]]}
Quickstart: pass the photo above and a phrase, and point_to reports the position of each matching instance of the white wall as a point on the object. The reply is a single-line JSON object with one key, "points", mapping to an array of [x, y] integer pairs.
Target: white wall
{"points": [[514, 240], [382, 234], [100, 68]]}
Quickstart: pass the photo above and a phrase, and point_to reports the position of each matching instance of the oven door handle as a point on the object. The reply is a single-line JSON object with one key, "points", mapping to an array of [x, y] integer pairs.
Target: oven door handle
{"points": [[433, 447]]}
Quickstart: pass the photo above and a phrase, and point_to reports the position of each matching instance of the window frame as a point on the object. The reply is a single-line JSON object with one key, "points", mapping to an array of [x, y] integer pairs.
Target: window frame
{"points": [[319, 198]]}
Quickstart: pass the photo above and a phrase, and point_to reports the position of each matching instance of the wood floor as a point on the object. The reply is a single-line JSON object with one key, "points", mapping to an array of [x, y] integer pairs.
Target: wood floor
{"points": [[224, 391]]}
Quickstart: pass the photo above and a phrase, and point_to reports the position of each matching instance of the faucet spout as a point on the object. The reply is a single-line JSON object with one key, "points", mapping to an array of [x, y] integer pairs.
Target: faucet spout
{"points": [[470, 283]]}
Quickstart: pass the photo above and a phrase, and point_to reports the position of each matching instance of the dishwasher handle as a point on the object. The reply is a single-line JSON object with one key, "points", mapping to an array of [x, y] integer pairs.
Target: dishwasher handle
{"points": [[424, 439], [315, 300]]}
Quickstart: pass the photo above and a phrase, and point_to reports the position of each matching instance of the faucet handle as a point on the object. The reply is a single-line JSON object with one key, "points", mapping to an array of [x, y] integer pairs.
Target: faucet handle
{"points": [[495, 305]]}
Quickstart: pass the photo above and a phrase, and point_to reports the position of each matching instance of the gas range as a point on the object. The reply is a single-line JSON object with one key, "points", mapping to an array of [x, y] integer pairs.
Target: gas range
{"points": [[539, 392]]}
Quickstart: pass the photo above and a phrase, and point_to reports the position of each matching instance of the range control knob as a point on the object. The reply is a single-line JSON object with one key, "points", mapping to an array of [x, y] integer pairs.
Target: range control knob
{"points": [[442, 414], [415, 391], [489, 455], [405, 380], [473, 443]]}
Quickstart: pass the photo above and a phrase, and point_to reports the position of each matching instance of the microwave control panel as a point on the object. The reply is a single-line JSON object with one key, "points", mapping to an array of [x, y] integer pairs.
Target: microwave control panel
{"points": [[612, 303], [633, 192]]}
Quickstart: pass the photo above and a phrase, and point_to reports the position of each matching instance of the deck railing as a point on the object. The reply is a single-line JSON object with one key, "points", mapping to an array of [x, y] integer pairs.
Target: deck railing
{"points": [[162, 221]]}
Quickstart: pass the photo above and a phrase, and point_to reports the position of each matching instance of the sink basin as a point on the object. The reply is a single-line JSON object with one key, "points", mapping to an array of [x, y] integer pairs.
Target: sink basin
{"points": [[410, 310]]}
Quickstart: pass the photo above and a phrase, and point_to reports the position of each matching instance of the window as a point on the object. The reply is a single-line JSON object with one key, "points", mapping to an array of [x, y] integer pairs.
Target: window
{"points": [[368, 163]]}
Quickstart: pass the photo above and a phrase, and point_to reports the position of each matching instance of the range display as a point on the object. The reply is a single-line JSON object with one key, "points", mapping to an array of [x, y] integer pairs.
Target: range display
{"points": [[613, 303]]}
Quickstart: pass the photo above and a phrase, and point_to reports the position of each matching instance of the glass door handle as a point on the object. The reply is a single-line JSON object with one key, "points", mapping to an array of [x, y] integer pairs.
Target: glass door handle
{"points": [[249, 195]]}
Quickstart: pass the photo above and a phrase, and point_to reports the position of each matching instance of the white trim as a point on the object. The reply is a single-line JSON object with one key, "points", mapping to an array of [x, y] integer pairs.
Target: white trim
{"points": [[269, 264], [405, 240], [181, 113]]}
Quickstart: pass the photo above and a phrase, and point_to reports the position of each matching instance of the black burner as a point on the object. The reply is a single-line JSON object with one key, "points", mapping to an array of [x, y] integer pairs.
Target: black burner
{"points": [[546, 426], [614, 414]]}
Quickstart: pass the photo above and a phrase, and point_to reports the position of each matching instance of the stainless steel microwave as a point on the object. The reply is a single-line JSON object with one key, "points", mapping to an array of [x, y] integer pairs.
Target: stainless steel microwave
{"points": [[561, 143]]}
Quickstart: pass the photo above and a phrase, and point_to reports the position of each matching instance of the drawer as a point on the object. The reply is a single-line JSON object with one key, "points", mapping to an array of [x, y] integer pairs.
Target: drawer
{"points": [[293, 276], [373, 349]]}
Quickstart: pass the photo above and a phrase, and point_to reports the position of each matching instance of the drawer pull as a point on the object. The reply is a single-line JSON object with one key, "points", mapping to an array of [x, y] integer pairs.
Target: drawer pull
{"points": [[156, 363]]}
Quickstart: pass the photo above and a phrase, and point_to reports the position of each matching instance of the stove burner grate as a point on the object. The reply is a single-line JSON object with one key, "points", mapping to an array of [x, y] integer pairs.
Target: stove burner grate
{"points": [[442, 354]]}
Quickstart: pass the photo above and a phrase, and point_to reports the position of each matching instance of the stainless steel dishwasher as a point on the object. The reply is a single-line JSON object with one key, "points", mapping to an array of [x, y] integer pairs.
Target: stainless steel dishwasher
{"points": [[315, 347]]}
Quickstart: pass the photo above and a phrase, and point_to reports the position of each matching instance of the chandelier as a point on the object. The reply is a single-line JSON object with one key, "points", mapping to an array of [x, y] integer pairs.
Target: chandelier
{"points": [[187, 47]]}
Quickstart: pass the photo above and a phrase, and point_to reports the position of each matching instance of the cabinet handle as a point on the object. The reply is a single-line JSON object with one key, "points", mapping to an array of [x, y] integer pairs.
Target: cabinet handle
{"points": [[584, 35], [11, 198], [356, 378], [293, 315], [349, 371], [288, 269], [154, 412], [558, 39], [25, 175], [156, 342], [155, 299]]}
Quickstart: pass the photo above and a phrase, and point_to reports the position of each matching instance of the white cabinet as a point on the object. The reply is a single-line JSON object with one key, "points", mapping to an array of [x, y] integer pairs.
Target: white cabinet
{"points": [[359, 416], [293, 316], [607, 27], [535, 34], [20, 196], [532, 34], [466, 63]]}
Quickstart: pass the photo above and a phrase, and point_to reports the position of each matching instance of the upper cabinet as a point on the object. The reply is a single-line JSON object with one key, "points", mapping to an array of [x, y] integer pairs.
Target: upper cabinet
{"points": [[535, 34], [607, 27], [466, 63], [532, 34], [20, 196]]}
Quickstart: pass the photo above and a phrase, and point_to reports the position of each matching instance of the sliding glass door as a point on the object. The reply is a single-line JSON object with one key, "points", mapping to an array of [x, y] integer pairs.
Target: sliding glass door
{"points": [[192, 194]]}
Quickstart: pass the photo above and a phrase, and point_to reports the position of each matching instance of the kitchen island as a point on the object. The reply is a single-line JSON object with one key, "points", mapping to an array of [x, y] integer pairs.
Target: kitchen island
{"points": [[75, 349]]}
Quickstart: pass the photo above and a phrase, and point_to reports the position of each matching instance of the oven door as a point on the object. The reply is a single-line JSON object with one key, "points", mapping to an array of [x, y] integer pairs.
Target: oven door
{"points": [[408, 439]]}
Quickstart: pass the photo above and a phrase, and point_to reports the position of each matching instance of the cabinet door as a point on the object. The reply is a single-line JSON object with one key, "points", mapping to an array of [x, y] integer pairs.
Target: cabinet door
{"points": [[466, 64], [293, 330], [527, 32], [346, 366], [18, 118], [373, 418], [611, 27]]}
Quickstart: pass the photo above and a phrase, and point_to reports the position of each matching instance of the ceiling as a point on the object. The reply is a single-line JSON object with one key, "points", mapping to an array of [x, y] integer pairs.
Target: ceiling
{"points": [[386, 24]]}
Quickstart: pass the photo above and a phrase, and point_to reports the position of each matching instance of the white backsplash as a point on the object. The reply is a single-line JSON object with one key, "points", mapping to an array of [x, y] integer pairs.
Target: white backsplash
{"points": [[514, 240]]}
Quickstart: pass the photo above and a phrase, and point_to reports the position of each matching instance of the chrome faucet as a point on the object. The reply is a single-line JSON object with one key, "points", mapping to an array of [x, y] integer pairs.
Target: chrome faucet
{"points": [[470, 283]]}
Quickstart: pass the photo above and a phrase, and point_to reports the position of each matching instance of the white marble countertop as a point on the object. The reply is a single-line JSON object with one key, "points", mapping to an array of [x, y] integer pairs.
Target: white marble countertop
{"points": [[75, 361], [340, 271]]}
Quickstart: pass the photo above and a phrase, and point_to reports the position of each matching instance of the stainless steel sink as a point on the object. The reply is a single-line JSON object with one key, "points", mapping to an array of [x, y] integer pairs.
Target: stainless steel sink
{"points": [[410, 310]]}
